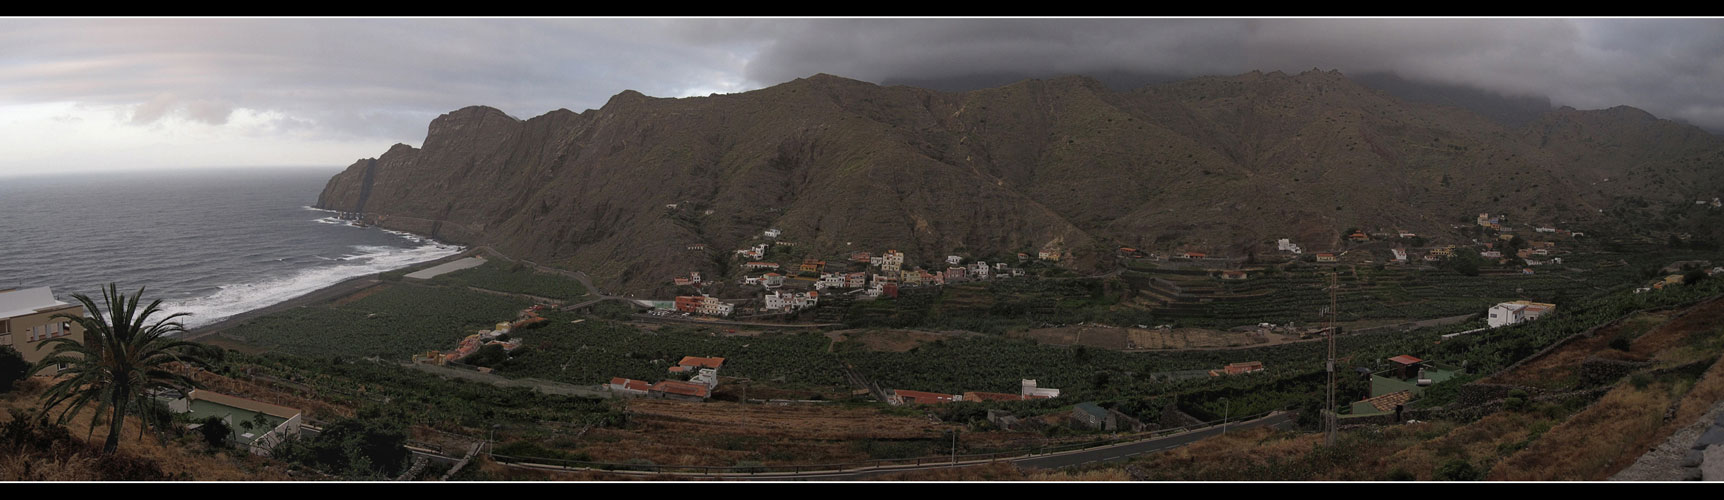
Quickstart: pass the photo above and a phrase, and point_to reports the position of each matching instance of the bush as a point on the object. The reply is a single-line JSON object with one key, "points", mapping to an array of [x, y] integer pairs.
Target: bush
{"points": [[215, 432], [1457, 470], [371, 445], [12, 368]]}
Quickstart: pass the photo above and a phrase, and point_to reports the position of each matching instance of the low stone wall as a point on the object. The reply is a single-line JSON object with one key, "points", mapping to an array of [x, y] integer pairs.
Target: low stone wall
{"points": [[1596, 371]]}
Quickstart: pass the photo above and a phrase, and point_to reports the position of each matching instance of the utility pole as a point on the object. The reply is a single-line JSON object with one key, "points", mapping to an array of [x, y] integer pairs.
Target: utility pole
{"points": [[1227, 407], [1329, 407]]}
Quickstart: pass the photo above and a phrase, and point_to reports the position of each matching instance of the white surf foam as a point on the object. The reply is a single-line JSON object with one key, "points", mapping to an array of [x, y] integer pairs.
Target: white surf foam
{"points": [[238, 298]]}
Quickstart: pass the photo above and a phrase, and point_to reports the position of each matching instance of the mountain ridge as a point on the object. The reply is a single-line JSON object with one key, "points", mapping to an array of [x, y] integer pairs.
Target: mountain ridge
{"points": [[1219, 164]]}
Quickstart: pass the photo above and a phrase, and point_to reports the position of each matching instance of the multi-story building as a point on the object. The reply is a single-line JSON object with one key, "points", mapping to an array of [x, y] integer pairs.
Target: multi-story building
{"points": [[27, 320]]}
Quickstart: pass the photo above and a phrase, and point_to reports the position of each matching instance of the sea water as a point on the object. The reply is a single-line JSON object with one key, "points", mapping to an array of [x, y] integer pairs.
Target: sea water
{"points": [[210, 242]]}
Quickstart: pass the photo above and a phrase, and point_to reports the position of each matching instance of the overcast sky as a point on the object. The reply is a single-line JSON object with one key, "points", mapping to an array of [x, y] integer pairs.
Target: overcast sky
{"points": [[141, 93]]}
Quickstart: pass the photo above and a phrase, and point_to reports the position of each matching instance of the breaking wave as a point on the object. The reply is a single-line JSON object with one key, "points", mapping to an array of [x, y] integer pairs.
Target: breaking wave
{"points": [[232, 299]]}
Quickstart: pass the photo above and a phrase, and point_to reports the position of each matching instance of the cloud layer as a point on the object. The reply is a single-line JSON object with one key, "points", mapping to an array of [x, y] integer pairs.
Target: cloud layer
{"points": [[329, 81]]}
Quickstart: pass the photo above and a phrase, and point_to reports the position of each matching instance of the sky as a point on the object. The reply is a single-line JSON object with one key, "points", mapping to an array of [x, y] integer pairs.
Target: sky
{"points": [[106, 94]]}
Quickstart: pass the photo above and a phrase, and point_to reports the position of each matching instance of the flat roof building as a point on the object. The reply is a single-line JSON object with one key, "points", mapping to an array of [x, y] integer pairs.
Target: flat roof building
{"points": [[27, 320]]}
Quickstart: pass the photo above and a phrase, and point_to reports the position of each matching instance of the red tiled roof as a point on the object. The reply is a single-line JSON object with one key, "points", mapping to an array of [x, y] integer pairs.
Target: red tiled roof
{"points": [[638, 385], [920, 397], [991, 396], [713, 363], [1405, 359], [1388, 402], [680, 388]]}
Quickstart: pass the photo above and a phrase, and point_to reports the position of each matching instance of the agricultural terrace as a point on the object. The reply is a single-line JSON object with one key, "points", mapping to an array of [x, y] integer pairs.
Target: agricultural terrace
{"points": [[1300, 294], [1563, 426]]}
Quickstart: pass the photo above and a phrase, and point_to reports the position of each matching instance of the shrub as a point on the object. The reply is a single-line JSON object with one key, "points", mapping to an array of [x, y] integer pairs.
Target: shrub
{"points": [[1457, 470], [12, 368], [215, 432]]}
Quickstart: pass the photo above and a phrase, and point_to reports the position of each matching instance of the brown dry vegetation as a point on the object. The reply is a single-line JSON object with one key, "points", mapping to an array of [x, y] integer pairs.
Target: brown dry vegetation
{"points": [[719, 434], [1481, 443], [137, 458], [1557, 368], [1586, 447]]}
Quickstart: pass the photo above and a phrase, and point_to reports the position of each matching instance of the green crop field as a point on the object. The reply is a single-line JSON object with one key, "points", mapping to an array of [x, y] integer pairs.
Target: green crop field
{"points": [[393, 323], [516, 278]]}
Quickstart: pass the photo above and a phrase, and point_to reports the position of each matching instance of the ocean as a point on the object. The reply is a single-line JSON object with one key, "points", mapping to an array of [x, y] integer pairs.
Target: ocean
{"points": [[210, 242]]}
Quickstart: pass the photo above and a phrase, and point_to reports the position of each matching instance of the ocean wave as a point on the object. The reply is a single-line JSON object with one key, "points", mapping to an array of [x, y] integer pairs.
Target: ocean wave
{"points": [[236, 298]]}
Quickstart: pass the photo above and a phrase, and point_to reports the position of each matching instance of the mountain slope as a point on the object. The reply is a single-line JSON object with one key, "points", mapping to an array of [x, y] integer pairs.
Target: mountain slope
{"points": [[1218, 164]]}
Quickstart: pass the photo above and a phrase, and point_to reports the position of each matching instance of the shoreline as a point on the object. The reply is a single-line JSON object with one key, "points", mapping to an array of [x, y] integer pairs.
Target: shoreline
{"points": [[329, 293]]}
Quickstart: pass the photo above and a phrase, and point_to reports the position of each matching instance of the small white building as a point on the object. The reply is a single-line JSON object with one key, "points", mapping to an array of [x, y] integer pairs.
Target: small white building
{"points": [[953, 260], [1509, 313], [772, 233], [979, 270], [630, 387], [1030, 390]]}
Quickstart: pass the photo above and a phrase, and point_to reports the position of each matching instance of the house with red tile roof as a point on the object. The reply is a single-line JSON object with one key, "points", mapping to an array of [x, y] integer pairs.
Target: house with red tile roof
{"points": [[629, 386], [684, 391], [700, 362], [906, 396]]}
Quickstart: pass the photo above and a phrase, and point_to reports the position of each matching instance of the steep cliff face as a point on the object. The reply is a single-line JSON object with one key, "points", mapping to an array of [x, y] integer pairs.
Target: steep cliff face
{"points": [[1215, 164]]}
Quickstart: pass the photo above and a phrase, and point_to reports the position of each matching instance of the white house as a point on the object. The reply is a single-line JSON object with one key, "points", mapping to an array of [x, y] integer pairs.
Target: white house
{"points": [[979, 270], [1400, 254], [775, 301], [832, 280], [953, 260], [1030, 390], [1508, 313], [772, 233], [772, 280], [1287, 245]]}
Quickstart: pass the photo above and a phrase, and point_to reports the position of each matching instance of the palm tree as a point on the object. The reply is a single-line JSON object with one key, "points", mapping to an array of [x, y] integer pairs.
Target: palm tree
{"points": [[121, 362]]}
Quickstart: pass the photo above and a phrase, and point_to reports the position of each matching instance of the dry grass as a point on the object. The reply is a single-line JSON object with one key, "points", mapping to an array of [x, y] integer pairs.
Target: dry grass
{"points": [[1706, 392], [1617, 429], [1480, 442], [720, 434], [996, 471], [1557, 368], [1088, 475]]}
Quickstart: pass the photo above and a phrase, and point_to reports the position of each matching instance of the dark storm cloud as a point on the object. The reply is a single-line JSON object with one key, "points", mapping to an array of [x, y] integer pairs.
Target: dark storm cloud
{"points": [[1670, 67], [385, 78]]}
